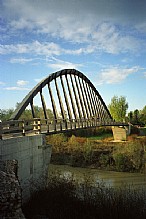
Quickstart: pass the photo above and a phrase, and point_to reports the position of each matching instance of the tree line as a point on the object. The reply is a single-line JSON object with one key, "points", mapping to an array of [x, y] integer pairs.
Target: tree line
{"points": [[118, 108]]}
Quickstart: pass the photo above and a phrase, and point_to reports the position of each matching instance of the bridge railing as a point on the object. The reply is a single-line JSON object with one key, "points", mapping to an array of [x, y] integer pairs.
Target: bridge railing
{"points": [[18, 127], [35, 126]]}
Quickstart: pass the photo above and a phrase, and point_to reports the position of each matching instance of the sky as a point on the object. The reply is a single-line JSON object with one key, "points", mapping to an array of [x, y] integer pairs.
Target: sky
{"points": [[104, 39]]}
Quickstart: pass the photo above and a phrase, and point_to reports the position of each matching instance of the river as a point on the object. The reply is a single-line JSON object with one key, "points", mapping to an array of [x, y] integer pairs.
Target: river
{"points": [[109, 178]]}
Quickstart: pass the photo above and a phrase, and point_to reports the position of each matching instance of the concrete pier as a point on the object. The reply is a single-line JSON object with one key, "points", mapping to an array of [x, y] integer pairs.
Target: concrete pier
{"points": [[119, 133]]}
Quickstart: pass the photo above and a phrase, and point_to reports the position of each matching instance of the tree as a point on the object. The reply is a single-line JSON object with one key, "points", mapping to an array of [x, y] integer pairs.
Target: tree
{"points": [[130, 116], [39, 113], [5, 114], [136, 116], [143, 116], [118, 108]]}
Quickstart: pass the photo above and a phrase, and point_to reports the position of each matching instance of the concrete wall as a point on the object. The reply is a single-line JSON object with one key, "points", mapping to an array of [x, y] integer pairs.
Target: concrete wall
{"points": [[119, 133], [33, 156]]}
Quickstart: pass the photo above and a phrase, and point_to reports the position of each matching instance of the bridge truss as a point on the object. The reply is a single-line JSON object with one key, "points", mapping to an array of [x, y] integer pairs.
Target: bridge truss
{"points": [[77, 98], [76, 104]]}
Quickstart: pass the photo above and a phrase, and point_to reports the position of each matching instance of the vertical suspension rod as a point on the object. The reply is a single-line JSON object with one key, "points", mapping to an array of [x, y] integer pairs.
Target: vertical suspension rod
{"points": [[60, 100], [76, 98], [71, 98], [87, 100], [83, 95], [53, 102], [81, 101], [32, 109], [66, 99], [43, 105], [90, 98]]}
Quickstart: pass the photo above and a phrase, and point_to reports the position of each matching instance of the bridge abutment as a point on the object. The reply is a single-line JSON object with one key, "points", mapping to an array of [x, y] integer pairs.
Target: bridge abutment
{"points": [[33, 156]]}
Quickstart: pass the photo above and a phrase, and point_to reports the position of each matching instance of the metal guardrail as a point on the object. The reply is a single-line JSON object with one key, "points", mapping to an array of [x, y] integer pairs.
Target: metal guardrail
{"points": [[15, 128]]}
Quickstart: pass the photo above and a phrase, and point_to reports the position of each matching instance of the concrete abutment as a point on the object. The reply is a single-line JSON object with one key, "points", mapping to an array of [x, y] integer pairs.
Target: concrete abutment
{"points": [[33, 156]]}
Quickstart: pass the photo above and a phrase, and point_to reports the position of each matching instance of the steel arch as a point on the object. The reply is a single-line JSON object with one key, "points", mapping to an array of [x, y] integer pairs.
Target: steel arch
{"points": [[85, 100]]}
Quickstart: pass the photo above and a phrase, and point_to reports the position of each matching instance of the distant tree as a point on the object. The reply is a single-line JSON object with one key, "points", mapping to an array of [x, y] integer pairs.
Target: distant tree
{"points": [[143, 116], [5, 114], [130, 116], [136, 116], [118, 108], [39, 113]]}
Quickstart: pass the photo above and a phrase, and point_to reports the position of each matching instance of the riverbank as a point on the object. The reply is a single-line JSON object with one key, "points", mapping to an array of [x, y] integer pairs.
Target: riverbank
{"points": [[105, 154], [66, 198], [112, 179]]}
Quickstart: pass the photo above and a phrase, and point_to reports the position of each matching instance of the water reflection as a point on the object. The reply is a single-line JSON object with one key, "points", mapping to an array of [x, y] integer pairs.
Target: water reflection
{"points": [[109, 178]]}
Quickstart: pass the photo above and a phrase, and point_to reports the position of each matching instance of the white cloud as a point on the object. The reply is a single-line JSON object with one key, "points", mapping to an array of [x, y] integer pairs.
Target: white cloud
{"points": [[115, 75], [2, 83], [58, 64], [20, 60], [37, 48], [97, 23], [22, 83], [20, 86], [109, 39], [16, 88], [33, 48]]}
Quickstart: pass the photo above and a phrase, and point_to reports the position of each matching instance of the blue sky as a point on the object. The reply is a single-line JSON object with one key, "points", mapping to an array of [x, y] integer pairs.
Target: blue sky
{"points": [[104, 39]]}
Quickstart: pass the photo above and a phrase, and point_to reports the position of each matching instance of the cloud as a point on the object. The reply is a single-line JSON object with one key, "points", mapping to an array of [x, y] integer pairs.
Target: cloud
{"points": [[110, 40], [33, 48], [20, 60], [16, 88], [22, 83], [116, 75], [20, 86], [2, 83], [108, 27], [44, 49], [58, 64]]}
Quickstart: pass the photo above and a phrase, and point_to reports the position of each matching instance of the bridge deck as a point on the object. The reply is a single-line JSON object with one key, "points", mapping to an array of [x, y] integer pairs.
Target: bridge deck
{"points": [[36, 126]]}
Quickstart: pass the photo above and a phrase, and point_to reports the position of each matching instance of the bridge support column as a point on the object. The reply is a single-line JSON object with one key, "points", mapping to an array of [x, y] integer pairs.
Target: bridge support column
{"points": [[119, 133]]}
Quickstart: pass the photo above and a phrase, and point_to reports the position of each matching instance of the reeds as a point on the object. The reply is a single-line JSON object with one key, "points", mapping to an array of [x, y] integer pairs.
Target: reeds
{"points": [[66, 198]]}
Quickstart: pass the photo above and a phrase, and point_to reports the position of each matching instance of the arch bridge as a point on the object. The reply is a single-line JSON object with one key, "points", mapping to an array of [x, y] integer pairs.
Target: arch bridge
{"points": [[68, 101]]}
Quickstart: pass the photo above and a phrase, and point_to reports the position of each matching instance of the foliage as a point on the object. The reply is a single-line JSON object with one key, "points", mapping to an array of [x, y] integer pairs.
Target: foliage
{"points": [[129, 157], [79, 151], [39, 113], [67, 198], [118, 108], [137, 116], [58, 142], [88, 152], [5, 114]]}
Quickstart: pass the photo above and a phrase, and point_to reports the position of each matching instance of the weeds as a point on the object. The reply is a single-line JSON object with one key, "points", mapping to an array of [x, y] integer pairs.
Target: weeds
{"points": [[80, 151], [64, 198]]}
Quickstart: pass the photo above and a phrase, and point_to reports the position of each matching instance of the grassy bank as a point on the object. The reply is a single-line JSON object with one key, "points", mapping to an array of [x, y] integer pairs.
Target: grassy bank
{"points": [[64, 198], [99, 151]]}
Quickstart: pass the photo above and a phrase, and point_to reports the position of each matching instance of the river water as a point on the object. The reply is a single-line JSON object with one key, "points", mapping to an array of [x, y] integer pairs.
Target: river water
{"points": [[109, 178]]}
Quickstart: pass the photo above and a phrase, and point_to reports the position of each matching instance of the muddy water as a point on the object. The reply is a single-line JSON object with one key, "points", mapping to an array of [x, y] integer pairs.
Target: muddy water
{"points": [[109, 178]]}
